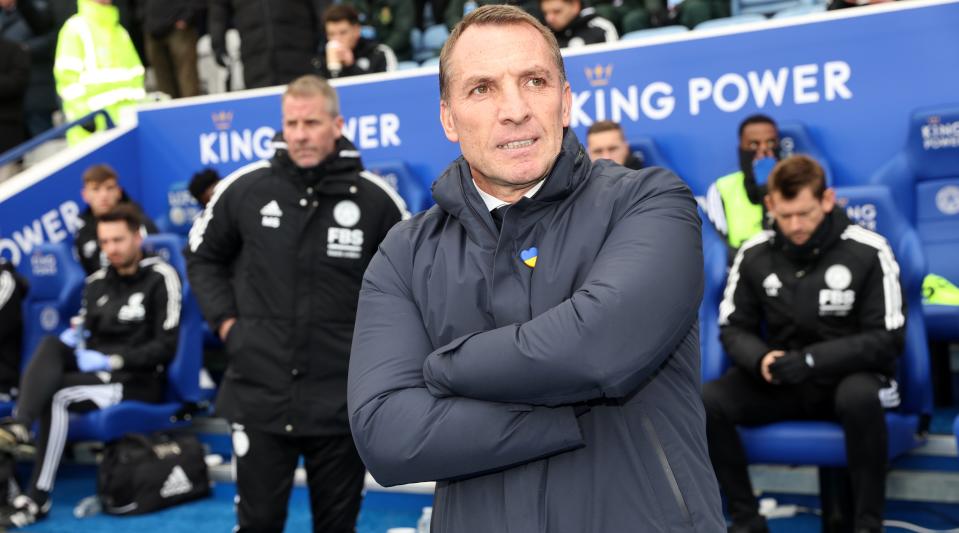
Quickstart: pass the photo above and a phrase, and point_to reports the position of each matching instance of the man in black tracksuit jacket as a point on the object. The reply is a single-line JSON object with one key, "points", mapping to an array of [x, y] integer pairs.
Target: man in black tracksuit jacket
{"points": [[131, 318], [826, 294], [351, 53], [575, 26], [13, 289], [102, 193], [298, 231]]}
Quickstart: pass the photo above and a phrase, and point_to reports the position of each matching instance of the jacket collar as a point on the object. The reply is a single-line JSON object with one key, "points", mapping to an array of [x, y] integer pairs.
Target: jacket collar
{"points": [[455, 193], [340, 169], [827, 234]]}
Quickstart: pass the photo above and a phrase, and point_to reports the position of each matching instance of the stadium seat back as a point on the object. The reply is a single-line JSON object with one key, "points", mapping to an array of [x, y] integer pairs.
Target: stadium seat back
{"points": [[872, 206], [56, 288], [398, 174]]}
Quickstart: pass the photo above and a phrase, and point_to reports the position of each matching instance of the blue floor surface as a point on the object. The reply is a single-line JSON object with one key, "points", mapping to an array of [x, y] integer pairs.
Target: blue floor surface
{"points": [[380, 512]]}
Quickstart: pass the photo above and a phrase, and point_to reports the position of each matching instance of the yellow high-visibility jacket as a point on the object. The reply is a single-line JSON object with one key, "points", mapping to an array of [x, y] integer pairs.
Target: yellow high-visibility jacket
{"points": [[97, 66]]}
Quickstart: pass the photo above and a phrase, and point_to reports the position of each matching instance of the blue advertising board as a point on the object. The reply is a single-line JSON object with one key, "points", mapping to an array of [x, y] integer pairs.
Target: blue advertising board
{"points": [[851, 78]]}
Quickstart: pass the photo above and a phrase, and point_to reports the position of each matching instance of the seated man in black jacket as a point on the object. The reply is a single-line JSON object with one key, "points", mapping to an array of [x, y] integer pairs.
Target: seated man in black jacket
{"points": [[13, 288], [826, 294], [102, 193], [347, 52], [576, 26], [130, 323]]}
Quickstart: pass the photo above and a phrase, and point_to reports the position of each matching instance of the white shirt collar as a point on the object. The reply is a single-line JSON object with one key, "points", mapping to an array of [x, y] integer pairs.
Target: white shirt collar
{"points": [[493, 202]]}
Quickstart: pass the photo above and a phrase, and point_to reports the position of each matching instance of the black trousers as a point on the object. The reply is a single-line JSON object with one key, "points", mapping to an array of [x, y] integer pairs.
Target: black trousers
{"points": [[52, 386], [738, 398], [265, 464]]}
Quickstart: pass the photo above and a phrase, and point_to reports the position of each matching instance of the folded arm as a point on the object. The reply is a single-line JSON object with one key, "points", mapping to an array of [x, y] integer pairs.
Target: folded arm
{"points": [[638, 302]]}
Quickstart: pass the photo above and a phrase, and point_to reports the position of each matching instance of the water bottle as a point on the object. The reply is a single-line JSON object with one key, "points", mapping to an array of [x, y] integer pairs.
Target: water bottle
{"points": [[88, 506], [77, 324], [423, 524]]}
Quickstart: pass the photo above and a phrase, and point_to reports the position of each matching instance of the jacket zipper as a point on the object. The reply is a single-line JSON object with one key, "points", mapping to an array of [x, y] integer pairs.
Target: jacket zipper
{"points": [[664, 463]]}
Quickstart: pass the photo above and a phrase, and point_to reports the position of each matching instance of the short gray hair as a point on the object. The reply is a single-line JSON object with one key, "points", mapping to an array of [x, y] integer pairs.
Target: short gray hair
{"points": [[495, 15], [312, 85]]}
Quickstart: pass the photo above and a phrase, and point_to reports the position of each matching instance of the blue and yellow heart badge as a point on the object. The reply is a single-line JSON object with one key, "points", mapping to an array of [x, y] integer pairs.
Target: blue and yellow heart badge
{"points": [[529, 256]]}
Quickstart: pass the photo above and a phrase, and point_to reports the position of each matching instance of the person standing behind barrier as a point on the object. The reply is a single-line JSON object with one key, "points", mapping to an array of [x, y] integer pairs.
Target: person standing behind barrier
{"points": [[734, 203], [278, 38], [605, 140], [276, 260], [813, 319], [531, 342], [96, 67], [170, 36], [102, 193], [130, 327], [393, 20]]}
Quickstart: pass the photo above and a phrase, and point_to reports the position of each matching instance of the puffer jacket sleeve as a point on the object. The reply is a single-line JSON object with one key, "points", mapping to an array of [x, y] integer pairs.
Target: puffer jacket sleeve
{"points": [[214, 243], [638, 301], [402, 432]]}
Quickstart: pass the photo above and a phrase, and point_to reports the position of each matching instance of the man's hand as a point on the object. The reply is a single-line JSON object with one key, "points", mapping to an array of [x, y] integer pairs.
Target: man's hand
{"points": [[792, 368], [768, 360], [92, 361], [346, 56], [225, 328]]}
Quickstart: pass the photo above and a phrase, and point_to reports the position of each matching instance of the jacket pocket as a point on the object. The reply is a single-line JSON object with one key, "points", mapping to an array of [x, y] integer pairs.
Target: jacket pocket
{"points": [[663, 461]]}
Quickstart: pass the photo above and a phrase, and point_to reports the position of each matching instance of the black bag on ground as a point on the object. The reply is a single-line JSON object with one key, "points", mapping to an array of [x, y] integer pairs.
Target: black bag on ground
{"points": [[144, 473]]}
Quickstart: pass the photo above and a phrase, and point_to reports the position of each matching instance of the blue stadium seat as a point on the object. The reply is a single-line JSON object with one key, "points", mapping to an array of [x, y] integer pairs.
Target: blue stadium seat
{"points": [[648, 33], [183, 373], [734, 20], [821, 443], [794, 138], [799, 10], [924, 179], [415, 193], [765, 7], [646, 150], [56, 288], [433, 39], [715, 262], [955, 429], [430, 61], [407, 65]]}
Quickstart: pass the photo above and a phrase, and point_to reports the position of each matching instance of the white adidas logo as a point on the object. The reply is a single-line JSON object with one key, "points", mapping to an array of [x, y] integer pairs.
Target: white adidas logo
{"points": [[271, 209], [176, 483], [271, 214]]}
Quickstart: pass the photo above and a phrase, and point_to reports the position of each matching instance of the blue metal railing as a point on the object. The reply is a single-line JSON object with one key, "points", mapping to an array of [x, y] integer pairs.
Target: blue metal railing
{"points": [[22, 149]]}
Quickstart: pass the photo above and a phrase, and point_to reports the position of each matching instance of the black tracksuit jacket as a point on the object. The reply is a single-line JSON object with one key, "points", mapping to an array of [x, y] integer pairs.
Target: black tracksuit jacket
{"points": [[586, 28], [138, 318], [85, 246], [837, 298], [368, 57], [13, 288], [283, 249]]}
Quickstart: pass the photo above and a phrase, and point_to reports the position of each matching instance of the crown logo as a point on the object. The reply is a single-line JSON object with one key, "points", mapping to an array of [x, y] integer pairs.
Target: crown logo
{"points": [[599, 75], [934, 119], [222, 119]]}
